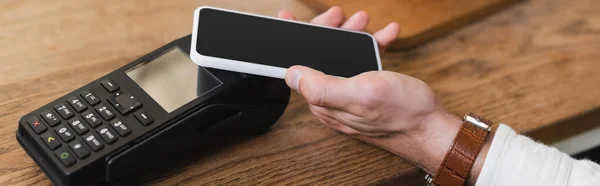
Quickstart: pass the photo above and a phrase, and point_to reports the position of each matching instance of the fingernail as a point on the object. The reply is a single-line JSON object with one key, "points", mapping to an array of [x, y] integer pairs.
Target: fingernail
{"points": [[295, 76]]}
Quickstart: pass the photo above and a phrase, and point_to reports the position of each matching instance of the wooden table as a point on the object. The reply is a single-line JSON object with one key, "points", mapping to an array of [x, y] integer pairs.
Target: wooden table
{"points": [[534, 66]]}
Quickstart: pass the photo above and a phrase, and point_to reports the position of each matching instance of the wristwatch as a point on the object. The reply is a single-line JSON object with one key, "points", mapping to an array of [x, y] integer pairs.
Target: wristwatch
{"points": [[459, 160]]}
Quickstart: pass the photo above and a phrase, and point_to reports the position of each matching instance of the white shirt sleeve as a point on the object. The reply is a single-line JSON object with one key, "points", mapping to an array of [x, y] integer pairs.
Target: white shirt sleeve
{"points": [[515, 159]]}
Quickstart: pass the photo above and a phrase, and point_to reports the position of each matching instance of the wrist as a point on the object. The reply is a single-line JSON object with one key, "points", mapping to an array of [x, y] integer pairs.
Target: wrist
{"points": [[440, 155], [437, 136], [426, 145]]}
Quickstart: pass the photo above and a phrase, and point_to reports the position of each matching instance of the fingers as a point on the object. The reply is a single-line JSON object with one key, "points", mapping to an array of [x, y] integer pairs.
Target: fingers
{"points": [[346, 122], [358, 21], [325, 118], [386, 35], [339, 127], [333, 17], [320, 89], [286, 15]]}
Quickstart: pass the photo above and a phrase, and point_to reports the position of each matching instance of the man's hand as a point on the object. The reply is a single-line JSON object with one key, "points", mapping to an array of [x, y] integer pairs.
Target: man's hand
{"points": [[391, 110]]}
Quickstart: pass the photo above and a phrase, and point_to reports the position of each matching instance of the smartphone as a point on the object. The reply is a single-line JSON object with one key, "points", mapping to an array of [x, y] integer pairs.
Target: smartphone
{"points": [[266, 46]]}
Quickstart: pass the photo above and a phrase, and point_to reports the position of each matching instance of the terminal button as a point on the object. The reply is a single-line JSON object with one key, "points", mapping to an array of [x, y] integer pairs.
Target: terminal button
{"points": [[91, 118], [78, 125], [50, 140], [65, 157], [93, 142], [36, 124], [76, 103], [50, 117], [106, 113], [64, 111], [106, 134], [90, 97], [64, 133], [120, 127], [80, 150], [143, 117], [109, 85], [124, 101]]}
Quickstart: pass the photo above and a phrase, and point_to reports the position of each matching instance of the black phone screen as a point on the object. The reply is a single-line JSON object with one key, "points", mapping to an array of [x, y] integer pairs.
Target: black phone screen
{"points": [[277, 43]]}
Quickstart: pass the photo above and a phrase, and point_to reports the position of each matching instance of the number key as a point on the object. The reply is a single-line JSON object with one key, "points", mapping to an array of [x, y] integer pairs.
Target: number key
{"points": [[64, 133], [76, 103], [120, 127], [106, 134], [91, 118], [64, 111], [78, 125], [106, 113], [90, 97], [93, 142]]}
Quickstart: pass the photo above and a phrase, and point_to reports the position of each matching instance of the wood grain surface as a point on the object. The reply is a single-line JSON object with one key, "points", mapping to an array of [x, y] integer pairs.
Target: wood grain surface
{"points": [[533, 66], [421, 20]]}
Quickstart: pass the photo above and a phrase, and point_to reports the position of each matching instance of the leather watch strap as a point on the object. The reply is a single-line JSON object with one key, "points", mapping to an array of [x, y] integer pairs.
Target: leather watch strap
{"points": [[459, 160]]}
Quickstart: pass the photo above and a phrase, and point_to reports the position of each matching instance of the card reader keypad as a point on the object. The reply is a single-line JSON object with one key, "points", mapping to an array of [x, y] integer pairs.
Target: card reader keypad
{"points": [[84, 124]]}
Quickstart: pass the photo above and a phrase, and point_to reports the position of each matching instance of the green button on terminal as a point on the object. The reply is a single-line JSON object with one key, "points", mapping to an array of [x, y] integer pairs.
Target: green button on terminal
{"points": [[65, 157]]}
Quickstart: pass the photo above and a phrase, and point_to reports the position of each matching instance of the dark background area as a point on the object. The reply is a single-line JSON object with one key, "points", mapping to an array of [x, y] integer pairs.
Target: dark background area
{"points": [[592, 154]]}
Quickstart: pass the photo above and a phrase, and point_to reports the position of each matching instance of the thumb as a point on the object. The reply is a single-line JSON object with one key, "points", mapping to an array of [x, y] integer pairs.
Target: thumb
{"points": [[318, 88], [295, 73]]}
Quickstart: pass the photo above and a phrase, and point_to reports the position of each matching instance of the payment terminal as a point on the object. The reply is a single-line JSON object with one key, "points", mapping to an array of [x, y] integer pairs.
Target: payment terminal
{"points": [[154, 113]]}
